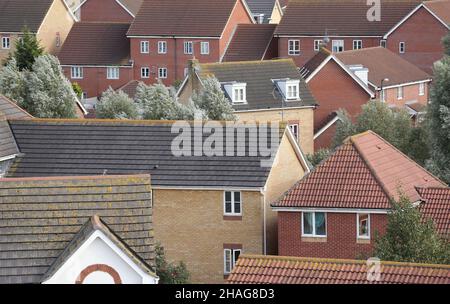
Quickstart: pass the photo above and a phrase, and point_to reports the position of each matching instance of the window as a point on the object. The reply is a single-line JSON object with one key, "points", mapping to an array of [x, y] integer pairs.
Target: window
{"points": [[188, 47], [357, 44], [162, 47], [294, 130], [204, 48], [317, 44], [421, 89], [259, 18], [186, 72], [84, 95], [162, 73], [314, 224], [292, 91], [363, 220], [77, 73], [338, 46], [401, 47], [145, 47], [58, 39], [112, 73], [230, 257], [400, 93], [233, 203], [6, 42], [294, 47], [383, 43], [145, 72]]}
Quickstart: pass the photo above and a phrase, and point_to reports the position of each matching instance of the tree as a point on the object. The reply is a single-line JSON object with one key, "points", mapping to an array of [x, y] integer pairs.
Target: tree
{"points": [[446, 43], [213, 101], [344, 128], [116, 105], [50, 94], [319, 156], [77, 89], [438, 116], [27, 50], [13, 82], [169, 273], [410, 238]]}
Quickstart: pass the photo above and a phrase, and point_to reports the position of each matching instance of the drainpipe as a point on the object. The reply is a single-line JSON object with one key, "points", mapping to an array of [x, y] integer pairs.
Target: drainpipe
{"points": [[262, 191]]}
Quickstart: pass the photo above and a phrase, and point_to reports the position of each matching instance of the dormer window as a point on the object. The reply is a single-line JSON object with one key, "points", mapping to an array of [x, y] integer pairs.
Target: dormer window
{"points": [[289, 88], [292, 91], [237, 92]]}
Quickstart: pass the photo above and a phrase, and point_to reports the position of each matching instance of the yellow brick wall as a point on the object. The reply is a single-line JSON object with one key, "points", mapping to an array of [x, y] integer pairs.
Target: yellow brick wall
{"points": [[276, 15], [190, 225], [5, 52]]}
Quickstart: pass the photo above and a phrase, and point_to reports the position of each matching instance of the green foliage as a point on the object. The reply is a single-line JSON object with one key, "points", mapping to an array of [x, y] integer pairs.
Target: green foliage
{"points": [[344, 128], [13, 82], [438, 116], [417, 144], [170, 273], [318, 156], [77, 89], [409, 238], [27, 50], [116, 105], [446, 43]]}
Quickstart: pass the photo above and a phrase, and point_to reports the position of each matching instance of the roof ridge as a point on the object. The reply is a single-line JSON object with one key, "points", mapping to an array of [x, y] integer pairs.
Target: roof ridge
{"points": [[81, 177], [7, 99], [247, 62]]}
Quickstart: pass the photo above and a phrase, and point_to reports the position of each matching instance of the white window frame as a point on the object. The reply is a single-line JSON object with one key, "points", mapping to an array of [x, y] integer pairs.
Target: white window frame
{"points": [[232, 259], [162, 73], [113, 73], [317, 44], [401, 47], [365, 237], [188, 48], [295, 85], [295, 50], [421, 89], [142, 72], [233, 212], [76, 72], [337, 44], [359, 44], [297, 132], [204, 48], [314, 234], [162, 47], [383, 43], [145, 47], [400, 93], [6, 43], [241, 88]]}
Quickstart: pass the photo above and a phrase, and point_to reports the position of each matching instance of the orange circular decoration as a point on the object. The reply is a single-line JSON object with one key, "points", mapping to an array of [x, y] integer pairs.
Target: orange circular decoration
{"points": [[99, 267]]}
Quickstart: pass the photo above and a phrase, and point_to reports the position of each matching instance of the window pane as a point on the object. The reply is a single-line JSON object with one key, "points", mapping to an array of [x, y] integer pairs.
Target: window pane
{"points": [[237, 196], [363, 225], [320, 223], [227, 260], [307, 223], [236, 254], [228, 196]]}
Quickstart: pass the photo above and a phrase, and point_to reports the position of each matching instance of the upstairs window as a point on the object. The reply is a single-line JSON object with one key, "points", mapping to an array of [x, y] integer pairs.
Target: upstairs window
{"points": [[421, 89], [145, 47], [162, 73], [401, 47], [357, 44], [314, 224], [162, 47], [400, 93], [6, 43], [338, 46], [363, 220], [204, 48], [294, 47], [145, 72], [232, 203], [230, 257], [76, 73], [188, 47], [112, 73], [292, 90], [239, 94], [294, 129], [317, 44]]}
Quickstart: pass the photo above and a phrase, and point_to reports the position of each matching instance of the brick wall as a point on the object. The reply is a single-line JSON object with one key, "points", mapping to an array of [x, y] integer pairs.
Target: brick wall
{"points": [[410, 94], [341, 241], [104, 11]]}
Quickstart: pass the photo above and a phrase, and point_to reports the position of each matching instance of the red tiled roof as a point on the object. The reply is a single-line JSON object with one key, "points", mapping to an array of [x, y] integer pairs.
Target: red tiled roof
{"points": [[441, 8], [341, 17], [130, 88], [200, 18], [365, 172], [312, 64], [254, 269], [249, 42], [436, 206]]}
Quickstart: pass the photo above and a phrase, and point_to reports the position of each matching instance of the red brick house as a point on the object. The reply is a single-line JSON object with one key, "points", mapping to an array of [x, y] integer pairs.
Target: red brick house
{"points": [[334, 86], [167, 33], [337, 25], [335, 211], [417, 37], [108, 10], [97, 56]]}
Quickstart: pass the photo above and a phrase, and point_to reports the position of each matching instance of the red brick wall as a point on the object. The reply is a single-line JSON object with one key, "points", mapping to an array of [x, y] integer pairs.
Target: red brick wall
{"points": [[94, 81], [410, 94], [104, 10], [325, 140], [307, 47], [422, 34], [340, 242]]}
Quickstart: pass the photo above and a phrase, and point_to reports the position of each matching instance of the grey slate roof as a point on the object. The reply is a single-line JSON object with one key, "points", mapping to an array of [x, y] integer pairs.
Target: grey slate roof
{"points": [[12, 110], [262, 7], [15, 14], [261, 91], [89, 147], [41, 216]]}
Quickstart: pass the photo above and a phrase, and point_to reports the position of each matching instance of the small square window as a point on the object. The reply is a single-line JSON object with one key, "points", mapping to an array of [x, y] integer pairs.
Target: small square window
{"points": [[76, 73], [401, 47], [204, 48], [422, 89], [232, 203], [145, 72], [294, 47], [400, 93], [112, 73], [317, 45], [188, 47], [162, 47], [145, 47], [162, 73], [314, 224], [6, 42], [363, 220], [357, 44], [338, 46]]}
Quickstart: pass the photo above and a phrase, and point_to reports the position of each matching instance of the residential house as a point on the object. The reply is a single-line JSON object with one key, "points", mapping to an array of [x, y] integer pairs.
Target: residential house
{"points": [[261, 91], [122, 11], [161, 46], [50, 20], [77, 230], [337, 25], [266, 11], [96, 55], [394, 80], [208, 206], [253, 269], [252, 42], [417, 37], [335, 86], [337, 210]]}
